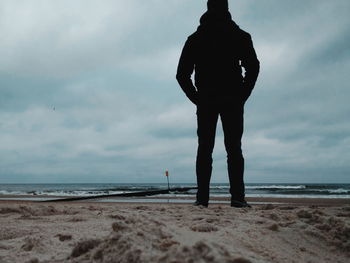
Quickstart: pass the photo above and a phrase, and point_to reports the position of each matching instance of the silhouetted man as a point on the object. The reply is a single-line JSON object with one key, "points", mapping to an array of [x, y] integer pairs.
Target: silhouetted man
{"points": [[217, 51]]}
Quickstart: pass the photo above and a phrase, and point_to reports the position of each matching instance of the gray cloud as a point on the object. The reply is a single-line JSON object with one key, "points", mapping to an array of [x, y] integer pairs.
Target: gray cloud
{"points": [[108, 69]]}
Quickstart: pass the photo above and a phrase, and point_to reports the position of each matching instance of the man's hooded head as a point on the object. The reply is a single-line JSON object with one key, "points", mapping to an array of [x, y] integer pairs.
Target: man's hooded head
{"points": [[217, 5], [217, 13]]}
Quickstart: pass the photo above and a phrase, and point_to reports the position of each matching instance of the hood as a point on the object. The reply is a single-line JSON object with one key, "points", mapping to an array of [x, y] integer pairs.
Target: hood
{"points": [[220, 21]]}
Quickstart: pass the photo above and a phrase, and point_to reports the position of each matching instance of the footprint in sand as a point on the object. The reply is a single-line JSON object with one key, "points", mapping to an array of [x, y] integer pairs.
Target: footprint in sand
{"points": [[204, 228]]}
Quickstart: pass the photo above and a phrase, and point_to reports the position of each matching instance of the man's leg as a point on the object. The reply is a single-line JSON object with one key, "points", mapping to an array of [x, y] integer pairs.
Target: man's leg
{"points": [[206, 121], [232, 123]]}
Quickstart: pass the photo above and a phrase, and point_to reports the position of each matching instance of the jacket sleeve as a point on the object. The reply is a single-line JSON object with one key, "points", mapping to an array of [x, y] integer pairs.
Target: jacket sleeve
{"points": [[185, 70], [251, 65]]}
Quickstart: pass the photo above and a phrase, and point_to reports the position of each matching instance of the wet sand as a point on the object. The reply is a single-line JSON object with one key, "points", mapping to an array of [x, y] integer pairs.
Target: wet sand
{"points": [[188, 199], [275, 230]]}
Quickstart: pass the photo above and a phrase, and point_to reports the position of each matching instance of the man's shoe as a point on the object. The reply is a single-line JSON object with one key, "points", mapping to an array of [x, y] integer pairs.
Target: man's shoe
{"points": [[239, 204], [197, 203]]}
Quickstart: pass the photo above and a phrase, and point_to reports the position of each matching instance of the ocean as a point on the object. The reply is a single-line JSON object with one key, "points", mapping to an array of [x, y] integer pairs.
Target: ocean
{"points": [[216, 190]]}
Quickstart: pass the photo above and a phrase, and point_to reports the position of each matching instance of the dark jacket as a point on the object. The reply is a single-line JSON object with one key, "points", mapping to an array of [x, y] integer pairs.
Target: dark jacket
{"points": [[217, 51]]}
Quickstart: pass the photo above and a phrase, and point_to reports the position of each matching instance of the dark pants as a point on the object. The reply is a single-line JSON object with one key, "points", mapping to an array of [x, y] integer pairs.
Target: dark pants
{"points": [[231, 115]]}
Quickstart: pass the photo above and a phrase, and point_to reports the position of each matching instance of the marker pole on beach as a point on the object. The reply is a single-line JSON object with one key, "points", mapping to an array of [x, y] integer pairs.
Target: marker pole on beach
{"points": [[167, 177]]}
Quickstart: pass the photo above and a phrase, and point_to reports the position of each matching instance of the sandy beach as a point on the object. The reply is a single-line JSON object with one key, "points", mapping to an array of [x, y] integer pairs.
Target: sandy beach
{"points": [[288, 231]]}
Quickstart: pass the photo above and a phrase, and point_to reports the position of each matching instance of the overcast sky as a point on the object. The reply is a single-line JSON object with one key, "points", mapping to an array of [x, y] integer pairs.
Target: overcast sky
{"points": [[88, 91]]}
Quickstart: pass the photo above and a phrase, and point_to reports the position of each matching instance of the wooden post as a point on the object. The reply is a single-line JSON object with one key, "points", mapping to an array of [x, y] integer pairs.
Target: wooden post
{"points": [[167, 177]]}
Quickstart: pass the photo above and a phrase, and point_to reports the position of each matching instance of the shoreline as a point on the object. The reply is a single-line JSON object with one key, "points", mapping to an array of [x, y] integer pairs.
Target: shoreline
{"points": [[181, 200]]}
